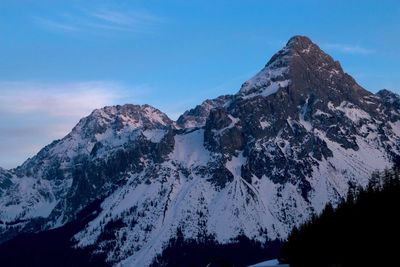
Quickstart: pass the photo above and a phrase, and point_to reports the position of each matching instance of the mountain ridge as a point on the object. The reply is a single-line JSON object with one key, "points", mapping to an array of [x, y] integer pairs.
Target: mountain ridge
{"points": [[295, 136]]}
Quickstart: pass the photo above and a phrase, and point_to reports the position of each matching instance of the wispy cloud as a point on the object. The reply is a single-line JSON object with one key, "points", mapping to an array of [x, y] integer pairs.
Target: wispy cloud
{"points": [[129, 19], [56, 25], [348, 49], [100, 21], [32, 114], [66, 100]]}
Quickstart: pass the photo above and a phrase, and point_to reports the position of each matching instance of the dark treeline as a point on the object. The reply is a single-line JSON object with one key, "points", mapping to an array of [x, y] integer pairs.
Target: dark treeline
{"points": [[362, 231], [200, 252]]}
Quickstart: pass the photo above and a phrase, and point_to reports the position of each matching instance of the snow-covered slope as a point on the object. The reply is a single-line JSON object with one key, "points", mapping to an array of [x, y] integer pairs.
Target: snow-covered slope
{"points": [[85, 165], [294, 137]]}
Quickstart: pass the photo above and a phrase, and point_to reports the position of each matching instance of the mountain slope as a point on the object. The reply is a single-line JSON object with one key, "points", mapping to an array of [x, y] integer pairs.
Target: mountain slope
{"points": [[294, 138], [87, 164]]}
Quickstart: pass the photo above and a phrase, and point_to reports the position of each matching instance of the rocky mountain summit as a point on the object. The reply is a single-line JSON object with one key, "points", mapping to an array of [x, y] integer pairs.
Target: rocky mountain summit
{"points": [[294, 137]]}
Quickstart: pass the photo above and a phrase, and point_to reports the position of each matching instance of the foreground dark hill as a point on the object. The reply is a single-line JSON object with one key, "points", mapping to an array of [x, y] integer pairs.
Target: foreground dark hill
{"points": [[294, 137], [361, 231]]}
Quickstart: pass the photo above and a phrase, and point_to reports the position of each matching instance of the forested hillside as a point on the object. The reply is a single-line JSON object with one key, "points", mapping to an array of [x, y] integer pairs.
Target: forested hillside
{"points": [[362, 231]]}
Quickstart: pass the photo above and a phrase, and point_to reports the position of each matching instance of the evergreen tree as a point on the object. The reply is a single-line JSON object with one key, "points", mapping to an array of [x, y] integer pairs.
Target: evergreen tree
{"points": [[363, 230]]}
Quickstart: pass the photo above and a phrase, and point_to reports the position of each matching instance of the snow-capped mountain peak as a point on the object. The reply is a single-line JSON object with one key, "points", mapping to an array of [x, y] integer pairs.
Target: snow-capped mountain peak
{"points": [[298, 61], [296, 136], [125, 116]]}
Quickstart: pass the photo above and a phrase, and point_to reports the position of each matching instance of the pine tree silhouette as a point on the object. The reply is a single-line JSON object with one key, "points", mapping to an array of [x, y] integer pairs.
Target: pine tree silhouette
{"points": [[362, 231]]}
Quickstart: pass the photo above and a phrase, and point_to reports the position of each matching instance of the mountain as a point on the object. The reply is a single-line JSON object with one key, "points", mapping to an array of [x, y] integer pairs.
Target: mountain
{"points": [[295, 136], [197, 117], [5, 180]]}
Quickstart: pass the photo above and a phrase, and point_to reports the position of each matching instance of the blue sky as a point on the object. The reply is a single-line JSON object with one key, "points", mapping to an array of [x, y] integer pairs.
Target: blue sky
{"points": [[61, 59]]}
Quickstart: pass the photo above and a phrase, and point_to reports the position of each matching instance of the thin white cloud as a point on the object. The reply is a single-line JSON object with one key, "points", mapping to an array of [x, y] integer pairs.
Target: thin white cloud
{"points": [[348, 49], [55, 25], [113, 17], [99, 21], [33, 114], [60, 100], [127, 19]]}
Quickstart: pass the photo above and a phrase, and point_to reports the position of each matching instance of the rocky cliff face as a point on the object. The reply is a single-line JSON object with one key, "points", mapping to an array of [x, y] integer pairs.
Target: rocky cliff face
{"points": [[258, 162], [197, 117], [5, 181]]}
